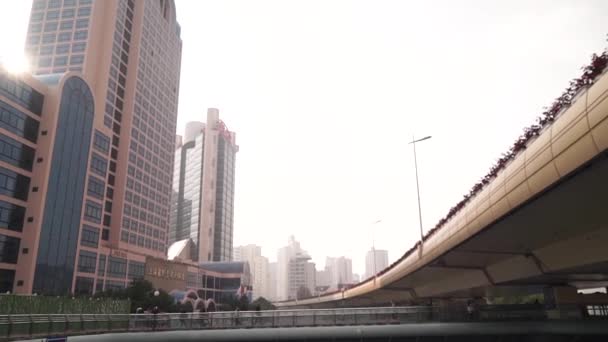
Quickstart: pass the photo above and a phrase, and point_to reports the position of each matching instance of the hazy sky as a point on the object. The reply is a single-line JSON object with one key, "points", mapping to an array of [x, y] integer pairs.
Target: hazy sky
{"points": [[324, 96]]}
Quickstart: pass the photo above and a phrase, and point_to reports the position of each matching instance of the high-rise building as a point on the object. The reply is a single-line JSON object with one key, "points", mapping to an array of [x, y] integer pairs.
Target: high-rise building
{"points": [[129, 54], [340, 270], [202, 202], [284, 255], [272, 281], [258, 265], [300, 275], [380, 257]]}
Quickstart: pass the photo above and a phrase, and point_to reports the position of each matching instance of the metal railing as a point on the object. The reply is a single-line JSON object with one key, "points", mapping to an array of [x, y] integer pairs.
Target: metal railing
{"points": [[31, 326]]}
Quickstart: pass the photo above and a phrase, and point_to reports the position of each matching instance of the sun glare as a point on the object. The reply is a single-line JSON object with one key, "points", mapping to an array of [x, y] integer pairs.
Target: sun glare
{"points": [[15, 64]]}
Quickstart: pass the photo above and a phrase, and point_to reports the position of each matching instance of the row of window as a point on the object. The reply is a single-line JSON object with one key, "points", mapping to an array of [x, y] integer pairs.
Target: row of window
{"points": [[11, 216], [16, 153], [61, 49], [60, 61], [49, 38], [18, 123], [56, 14], [42, 4], [9, 249], [13, 184], [21, 93]]}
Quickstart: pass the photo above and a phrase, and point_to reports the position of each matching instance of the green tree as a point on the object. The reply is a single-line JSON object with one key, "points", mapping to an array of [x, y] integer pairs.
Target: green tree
{"points": [[262, 303], [303, 292]]}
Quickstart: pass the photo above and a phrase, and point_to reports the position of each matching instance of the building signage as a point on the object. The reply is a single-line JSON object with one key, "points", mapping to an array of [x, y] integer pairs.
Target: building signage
{"points": [[118, 254], [165, 273]]}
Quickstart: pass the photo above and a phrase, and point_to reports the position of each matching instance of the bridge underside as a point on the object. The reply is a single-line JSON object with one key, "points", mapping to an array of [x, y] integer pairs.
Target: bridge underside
{"points": [[558, 238]]}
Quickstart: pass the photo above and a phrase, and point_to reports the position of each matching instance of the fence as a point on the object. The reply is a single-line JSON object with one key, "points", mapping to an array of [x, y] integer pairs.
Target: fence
{"points": [[31, 326]]}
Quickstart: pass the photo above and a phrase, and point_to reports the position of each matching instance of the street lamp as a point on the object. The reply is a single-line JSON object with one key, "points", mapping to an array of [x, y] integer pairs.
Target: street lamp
{"points": [[413, 143]]}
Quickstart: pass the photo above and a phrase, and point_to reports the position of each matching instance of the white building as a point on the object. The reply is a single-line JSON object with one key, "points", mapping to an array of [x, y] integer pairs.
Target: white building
{"points": [[340, 271], [285, 254], [301, 273], [381, 258], [272, 281], [258, 264]]}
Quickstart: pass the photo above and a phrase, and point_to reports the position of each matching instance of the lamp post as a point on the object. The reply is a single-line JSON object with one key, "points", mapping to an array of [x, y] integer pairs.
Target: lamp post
{"points": [[413, 143]]}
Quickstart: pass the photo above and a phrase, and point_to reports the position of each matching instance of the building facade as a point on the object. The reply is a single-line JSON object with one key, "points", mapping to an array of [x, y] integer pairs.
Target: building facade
{"points": [[301, 275], [202, 202], [128, 55], [258, 264], [379, 257], [339, 270]]}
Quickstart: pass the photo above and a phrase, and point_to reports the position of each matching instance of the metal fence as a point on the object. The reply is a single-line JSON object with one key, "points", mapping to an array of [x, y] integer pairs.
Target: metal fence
{"points": [[14, 327], [32, 326]]}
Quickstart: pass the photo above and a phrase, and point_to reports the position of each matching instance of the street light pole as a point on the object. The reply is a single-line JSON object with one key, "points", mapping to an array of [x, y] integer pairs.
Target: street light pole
{"points": [[413, 143]]}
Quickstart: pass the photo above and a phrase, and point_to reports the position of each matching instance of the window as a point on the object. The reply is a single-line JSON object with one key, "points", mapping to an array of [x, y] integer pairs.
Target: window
{"points": [[99, 165], [67, 3], [54, 4], [80, 35], [114, 285], [84, 11], [16, 153], [66, 25], [35, 28], [50, 26], [82, 23], [136, 269], [18, 123], [44, 62], [64, 36], [92, 212], [101, 142], [11, 216], [76, 59], [49, 38], [50, 15], [96, 188], [46, 50], [61, 61], [13, 184], [124, 236], [22, 94], [117, 267], [36, 16], [87, 261], [83, 286], [89, 236], [33, 40], [68, 13], [78, 47], [101, 268], [62, 49], [9, 249]]}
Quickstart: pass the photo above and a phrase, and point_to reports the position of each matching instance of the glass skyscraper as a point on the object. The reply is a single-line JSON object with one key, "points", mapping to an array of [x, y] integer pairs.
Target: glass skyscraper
{"points": [[202, 203]]}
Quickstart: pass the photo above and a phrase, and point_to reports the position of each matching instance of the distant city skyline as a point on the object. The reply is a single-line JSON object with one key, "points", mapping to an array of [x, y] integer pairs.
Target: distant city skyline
{"points": [[324, 112]]}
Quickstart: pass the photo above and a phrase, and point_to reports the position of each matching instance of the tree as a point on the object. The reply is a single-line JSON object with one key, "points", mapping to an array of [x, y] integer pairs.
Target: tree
{"points": [[262, 303], [303, 292]]}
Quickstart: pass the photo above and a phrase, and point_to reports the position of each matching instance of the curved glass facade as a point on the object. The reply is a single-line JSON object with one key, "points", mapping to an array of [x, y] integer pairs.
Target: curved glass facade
{"points": [[64, 198]]}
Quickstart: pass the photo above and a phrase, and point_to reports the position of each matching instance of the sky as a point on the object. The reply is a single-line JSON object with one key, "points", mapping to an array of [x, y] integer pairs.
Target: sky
{"points": [[325, 95]]}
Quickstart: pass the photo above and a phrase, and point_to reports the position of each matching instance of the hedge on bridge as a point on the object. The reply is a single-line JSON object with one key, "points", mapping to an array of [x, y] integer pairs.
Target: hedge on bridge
{"points": [[13, 304]]}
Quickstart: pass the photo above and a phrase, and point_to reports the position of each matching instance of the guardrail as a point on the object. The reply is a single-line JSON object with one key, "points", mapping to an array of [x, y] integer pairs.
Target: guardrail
{"points": [[14, 327]]}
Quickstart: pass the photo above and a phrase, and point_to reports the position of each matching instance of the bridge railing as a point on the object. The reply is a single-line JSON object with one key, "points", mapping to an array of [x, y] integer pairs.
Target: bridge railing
{"points": [[14, 327]]}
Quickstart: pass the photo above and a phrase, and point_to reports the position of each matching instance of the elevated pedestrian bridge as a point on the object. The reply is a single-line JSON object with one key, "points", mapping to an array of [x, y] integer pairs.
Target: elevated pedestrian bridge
{"points": [[541, 221]]}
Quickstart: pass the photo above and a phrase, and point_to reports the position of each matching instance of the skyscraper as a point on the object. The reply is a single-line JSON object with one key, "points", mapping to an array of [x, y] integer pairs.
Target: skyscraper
{"points": [[340, 270], [380, 256], [202, 202], [258, 265], [129, 52]]}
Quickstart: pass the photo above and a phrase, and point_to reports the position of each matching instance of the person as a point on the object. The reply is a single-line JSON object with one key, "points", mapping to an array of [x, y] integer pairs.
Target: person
{"points": [[470, 310], [236, 316], [155, 312]]}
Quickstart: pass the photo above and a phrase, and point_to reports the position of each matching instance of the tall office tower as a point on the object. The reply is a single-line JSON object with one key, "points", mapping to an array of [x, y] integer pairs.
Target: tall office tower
{"points": [[284, 255], [202, 202], [258, 264], [380, 257], [340, 270], [129, 51], [300, 275], [272, 281]]}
